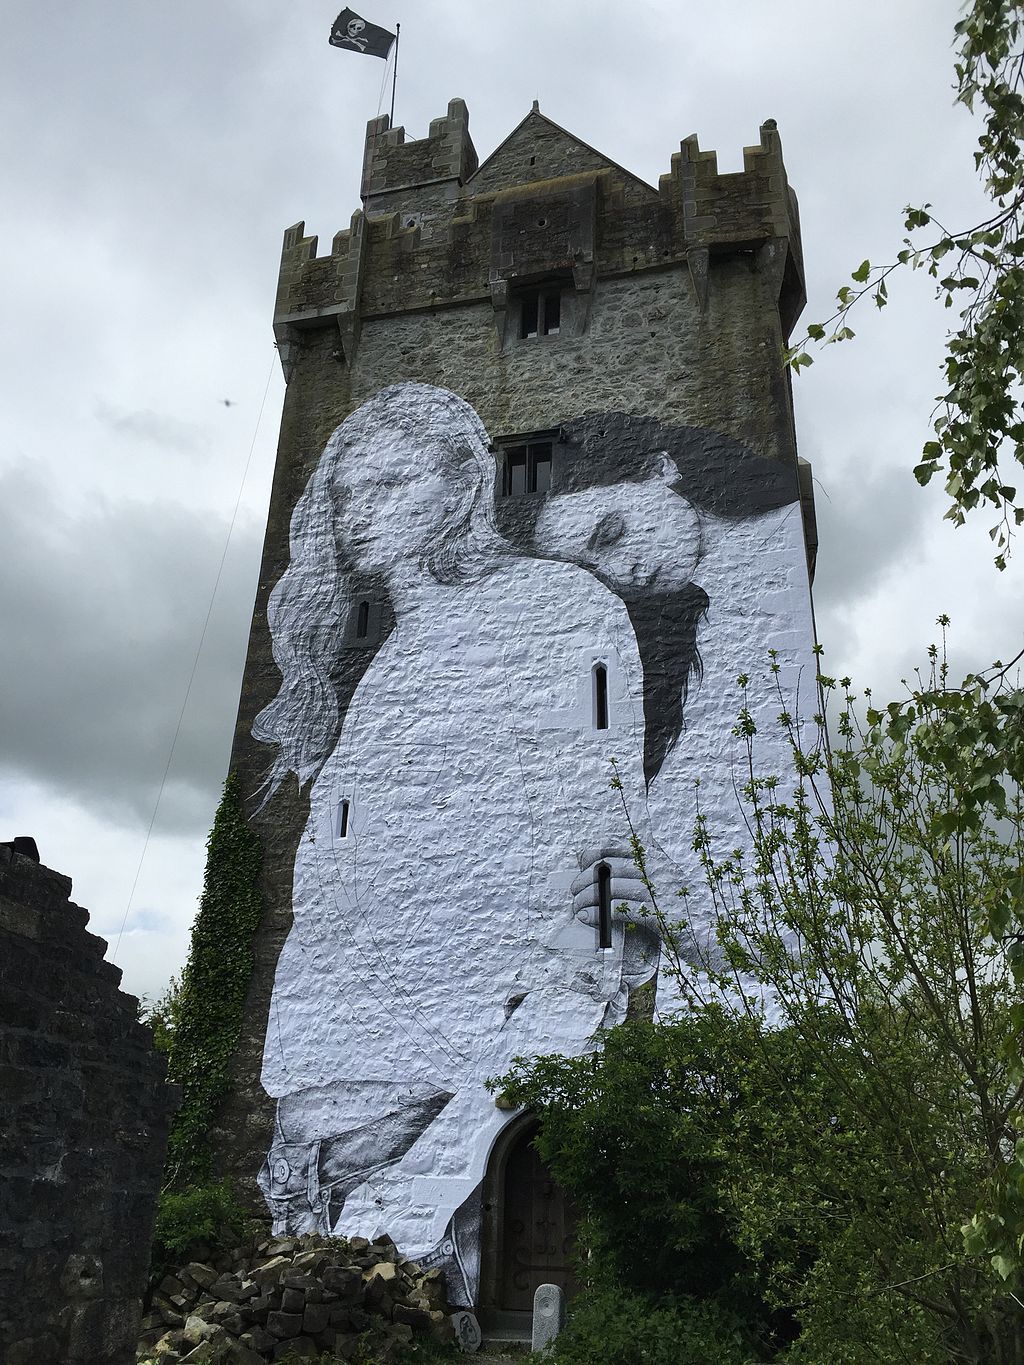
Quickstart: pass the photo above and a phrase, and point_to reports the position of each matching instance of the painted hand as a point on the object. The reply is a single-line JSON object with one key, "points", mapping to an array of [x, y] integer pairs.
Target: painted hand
{"points": [[627, 886]]}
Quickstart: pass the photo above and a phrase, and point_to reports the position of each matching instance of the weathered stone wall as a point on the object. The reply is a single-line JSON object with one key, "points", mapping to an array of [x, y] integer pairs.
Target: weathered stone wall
{"points": [[84, 1110]]}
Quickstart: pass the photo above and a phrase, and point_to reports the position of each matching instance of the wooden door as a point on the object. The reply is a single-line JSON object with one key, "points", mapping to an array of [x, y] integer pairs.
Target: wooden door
{"points": [[539, 1228]]}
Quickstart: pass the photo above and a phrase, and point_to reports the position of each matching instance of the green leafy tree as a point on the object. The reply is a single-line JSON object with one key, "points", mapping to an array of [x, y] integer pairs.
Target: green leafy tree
{"points": [[979, 426], [879, 904], [646, 1135], [162, 1016]]}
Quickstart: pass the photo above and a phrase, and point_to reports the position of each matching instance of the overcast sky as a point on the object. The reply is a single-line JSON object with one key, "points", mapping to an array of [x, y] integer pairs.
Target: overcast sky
{"points": [[155, 153]]}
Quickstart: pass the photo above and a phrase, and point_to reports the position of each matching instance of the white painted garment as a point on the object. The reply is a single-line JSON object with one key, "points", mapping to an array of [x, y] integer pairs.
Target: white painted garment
{"points": [[436, 940]]}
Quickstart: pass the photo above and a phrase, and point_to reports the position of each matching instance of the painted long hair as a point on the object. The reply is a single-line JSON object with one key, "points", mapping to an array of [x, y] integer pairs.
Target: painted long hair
{"points": [[309, 608]]}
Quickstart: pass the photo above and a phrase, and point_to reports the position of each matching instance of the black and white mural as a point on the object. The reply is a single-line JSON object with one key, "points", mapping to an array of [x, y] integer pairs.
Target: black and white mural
{"points": [[466, 638]]}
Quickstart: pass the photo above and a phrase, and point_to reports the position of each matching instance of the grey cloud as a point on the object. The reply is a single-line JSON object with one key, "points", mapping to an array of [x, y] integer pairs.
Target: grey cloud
{"points": [[100, 618], [158, 428], [866, 526]]}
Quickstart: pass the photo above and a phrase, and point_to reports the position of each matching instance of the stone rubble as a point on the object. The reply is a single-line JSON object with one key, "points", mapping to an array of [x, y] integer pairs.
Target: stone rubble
{"points": [[295, 1297]]}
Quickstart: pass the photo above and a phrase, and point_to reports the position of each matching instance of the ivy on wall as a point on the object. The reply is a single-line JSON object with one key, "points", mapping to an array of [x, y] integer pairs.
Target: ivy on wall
{"points": [[214, 984]]}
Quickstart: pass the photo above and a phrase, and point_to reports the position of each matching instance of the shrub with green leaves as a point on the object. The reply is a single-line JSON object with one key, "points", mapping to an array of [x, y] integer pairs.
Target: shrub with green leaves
{"points": [[618, 1328], [196, 1223], [658, 1138]]}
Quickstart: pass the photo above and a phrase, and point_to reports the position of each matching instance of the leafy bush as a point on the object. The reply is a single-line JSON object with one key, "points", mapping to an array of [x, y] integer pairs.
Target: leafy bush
{"points": [[194, 1224], [162, 1017], [728, 1185], [618, 1328], [647, 1136]]}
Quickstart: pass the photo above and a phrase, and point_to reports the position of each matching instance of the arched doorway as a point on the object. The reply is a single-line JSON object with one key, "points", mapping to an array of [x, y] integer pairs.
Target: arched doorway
{"points": [[529, 1229]]}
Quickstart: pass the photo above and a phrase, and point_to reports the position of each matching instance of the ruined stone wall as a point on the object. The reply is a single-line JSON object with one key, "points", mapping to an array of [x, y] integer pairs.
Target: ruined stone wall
{"points": [[84, 1109]]}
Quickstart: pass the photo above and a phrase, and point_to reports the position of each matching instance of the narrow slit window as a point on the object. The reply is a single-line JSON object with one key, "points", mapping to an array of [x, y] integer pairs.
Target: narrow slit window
{"points": [[343, 812], [363, 621], [600, 697], [604, 905]]}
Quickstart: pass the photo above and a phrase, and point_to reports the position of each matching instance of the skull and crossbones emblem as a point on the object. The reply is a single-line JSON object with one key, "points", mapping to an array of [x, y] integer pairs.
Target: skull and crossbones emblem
{"points": [[355, 27]]}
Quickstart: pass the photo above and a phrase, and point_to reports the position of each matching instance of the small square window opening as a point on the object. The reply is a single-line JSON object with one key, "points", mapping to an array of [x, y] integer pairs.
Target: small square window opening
{"points": [[527, 469], [541, 313]]}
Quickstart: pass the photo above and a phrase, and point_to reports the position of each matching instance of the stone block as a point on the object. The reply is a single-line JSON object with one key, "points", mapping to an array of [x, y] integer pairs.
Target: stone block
{"points": [[258, 1339], [310, 1261], [315, 1318], [238, 1354], [284, 1324], [261, 1306], [227, 1287], [466, 1331], [292, 1301], [418, 1318], [197, 1329], [270, 1272], [343, 1281], [441, 1327]]}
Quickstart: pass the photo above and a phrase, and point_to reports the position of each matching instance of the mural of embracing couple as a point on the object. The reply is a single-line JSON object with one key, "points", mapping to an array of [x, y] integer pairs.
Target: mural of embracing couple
{"points": [[466, 639]]}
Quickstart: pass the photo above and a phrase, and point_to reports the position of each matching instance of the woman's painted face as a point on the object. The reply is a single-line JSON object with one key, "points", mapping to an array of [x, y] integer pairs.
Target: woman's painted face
{"points": [[390, 495], [639, 537]]}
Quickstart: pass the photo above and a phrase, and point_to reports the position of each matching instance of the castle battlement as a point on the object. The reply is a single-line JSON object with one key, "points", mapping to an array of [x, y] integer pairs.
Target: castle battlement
{"points": [[391, 165], [438, 228]]}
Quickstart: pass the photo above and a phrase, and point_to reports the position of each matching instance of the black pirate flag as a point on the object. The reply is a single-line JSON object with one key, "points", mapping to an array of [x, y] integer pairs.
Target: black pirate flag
{"points": [[358, 36]]}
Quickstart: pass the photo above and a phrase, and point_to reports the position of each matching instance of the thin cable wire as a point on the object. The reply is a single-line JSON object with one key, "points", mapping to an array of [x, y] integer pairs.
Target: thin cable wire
{"points": [[195, 661], [384, 79]]}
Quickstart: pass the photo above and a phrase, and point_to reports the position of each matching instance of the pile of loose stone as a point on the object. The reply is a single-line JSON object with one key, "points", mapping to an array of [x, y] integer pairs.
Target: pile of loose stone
{"points": [[295, 1297]]}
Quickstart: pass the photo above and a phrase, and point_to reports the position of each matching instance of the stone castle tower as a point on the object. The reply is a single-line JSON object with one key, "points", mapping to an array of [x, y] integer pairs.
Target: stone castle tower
{"points": [[559, 513]]}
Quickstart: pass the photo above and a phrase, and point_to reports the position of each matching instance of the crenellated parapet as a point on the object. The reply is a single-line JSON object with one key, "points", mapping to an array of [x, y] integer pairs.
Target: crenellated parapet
{"points": [[316, 291], [439, 162], [752, 209], [438, 229]]}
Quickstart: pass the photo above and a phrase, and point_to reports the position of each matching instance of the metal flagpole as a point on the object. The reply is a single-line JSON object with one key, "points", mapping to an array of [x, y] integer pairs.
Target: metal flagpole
{"points": [[394, 74]]}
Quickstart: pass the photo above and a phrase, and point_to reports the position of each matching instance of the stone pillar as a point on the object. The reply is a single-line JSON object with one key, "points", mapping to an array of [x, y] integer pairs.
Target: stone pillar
{"points": [[548, 1315], [84, 1109]]}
